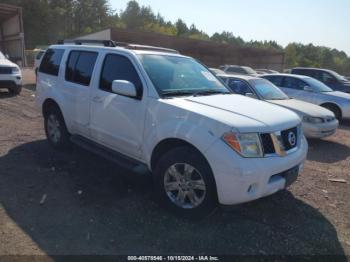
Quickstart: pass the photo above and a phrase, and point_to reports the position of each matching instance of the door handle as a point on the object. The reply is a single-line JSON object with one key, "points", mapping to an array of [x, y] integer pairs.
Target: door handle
{"points": [[97, 99]]}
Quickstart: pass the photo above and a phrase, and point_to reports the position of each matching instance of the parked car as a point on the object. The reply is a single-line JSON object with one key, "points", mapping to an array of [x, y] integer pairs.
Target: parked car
{"points": [[216, 71], [317, 122], [328, 77], [313, 91], [37, 60], [154, 108], [238, 70], [10, 75], [265, 71]]}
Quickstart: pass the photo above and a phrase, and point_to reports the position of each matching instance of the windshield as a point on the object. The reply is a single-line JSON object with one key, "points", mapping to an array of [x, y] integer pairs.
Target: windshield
{"points": [[2, 55], [174, 75], [267, 90], [249, 70], [318, 86]]}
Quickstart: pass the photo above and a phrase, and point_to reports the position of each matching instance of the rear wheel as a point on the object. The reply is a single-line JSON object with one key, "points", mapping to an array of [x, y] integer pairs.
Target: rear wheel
{"points": [[185, 183], [55, 128], [335, 109]]}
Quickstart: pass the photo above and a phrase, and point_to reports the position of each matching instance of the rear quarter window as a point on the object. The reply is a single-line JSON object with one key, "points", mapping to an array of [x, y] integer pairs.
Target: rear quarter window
{"points": [[51, 62]]}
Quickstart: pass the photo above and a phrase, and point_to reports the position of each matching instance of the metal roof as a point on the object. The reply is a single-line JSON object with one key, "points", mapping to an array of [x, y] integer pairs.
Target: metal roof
{"points": [[8, 11]]}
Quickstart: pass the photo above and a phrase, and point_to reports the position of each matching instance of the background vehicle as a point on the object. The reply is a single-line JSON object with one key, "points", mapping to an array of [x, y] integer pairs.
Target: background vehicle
{"points": [[216, 71], [328, 77], [239, 70], [10, 75], [37, 60], [317, 122], [311, 90], [151, 107], [265, 71]]}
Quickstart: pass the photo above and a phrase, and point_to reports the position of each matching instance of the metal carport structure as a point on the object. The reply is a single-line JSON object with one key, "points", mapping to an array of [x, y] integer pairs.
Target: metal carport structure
{"points": [[12, 33]]}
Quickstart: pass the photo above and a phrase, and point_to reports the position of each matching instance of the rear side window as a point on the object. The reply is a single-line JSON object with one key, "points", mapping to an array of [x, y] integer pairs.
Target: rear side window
{"points": [[118, 67], [80, 66], [239, 87], [51, 62], [276, 80], [294, 83]]}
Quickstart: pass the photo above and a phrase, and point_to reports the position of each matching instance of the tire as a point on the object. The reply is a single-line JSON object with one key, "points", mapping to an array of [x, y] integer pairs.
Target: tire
{"points": [[15, 90], [197, 189], [55, 128], [336, 111]]}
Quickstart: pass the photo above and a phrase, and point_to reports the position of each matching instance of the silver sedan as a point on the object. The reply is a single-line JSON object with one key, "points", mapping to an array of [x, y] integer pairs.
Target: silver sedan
{"points": [[317, 122], [313, 91]]}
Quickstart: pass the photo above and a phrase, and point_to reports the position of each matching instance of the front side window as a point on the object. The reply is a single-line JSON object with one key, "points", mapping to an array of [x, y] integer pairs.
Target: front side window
{"points": [[267, 90], [118, 67], [80, 66], [51, 62], [327, 78], [175, 75], [318, 86]]}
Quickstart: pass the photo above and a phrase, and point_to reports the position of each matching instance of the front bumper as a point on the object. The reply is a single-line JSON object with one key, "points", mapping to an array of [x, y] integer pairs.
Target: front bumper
{"points": [[10, 81], [240, 180], [320, 130]]}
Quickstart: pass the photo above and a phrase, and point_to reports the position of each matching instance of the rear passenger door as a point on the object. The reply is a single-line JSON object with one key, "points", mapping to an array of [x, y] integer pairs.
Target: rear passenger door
{"points": [[117, 121], [77, 88]]}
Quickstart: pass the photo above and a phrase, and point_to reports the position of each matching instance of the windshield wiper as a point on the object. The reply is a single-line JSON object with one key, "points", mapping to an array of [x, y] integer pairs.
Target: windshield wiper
{"points": [[209, 92], [177, 93]]}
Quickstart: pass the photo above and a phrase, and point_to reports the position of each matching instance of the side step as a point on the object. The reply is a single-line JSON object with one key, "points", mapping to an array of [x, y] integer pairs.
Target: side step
{"points": [[111, 155]]}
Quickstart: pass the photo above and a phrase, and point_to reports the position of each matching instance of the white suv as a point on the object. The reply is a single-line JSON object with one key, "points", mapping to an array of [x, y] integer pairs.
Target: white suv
{"points": [[10, 75], [152, 107]]}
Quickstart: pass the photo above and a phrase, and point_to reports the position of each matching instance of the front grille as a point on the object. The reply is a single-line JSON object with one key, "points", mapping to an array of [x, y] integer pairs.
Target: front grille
{"points": [[5, 70], [290, 138], [267, 143]]}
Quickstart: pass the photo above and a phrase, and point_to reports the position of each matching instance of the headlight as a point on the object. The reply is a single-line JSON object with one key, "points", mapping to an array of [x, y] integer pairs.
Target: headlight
{"points": [[313, 120], [246, 144], [15, 70]]}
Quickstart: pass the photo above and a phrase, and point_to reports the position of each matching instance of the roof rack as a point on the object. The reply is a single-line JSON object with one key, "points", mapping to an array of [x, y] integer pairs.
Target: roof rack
{"points": [[111, 43]]}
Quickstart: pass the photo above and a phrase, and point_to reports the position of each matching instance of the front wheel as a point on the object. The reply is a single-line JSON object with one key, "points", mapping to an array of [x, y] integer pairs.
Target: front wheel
{"points": [[185, 184], [15, 90]]}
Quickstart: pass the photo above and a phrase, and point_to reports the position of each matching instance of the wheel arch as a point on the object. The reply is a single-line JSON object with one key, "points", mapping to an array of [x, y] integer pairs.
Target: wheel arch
{"points": [[166, 145], [335, 105], [49, 103]]}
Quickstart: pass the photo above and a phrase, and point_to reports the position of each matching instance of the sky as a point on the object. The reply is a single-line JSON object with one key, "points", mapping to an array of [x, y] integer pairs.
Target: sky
{"points": [[320, 22]]}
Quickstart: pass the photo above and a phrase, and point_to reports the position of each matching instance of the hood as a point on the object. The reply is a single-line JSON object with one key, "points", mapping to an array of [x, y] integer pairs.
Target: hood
{"points": [[240, 112], [338, 94], [6, 62], [303, 108]]}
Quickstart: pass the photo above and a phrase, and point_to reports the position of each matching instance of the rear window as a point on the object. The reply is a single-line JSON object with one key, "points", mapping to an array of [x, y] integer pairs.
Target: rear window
{"points": [[80, 66], [51, 62]]}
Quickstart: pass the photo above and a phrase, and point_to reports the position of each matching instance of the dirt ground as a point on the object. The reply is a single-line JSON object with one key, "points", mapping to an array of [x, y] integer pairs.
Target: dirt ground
{"points": [[91, 206]]}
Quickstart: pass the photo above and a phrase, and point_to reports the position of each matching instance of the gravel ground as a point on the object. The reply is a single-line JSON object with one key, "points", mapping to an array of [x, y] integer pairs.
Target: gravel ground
{"points": [[91, 206]]}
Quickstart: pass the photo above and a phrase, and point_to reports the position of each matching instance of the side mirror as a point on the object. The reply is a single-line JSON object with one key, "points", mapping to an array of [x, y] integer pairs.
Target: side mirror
{"points": [[251, 95], [124, 88], [7, 56], [308, 89]]}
